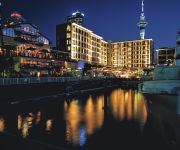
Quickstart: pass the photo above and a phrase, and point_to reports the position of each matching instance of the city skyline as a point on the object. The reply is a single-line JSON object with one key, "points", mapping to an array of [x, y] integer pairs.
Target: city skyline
{"points": [[162, 28]]}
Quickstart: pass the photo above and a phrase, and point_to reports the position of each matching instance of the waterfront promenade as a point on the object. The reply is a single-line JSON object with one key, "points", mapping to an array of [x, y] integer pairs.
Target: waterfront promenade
{"points": [[43, 80], [17, 89], [36, 80]]}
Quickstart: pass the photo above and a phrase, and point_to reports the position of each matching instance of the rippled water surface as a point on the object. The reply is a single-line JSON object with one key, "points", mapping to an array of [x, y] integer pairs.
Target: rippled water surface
{"points": [[117, 119]]}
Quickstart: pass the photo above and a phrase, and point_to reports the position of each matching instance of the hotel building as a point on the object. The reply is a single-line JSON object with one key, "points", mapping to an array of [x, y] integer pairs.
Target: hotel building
{"points": [[77, 18], [132, 54], [81, 43]]}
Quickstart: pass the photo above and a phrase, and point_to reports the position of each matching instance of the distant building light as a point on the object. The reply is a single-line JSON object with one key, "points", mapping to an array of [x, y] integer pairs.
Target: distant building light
{"points": [[77, 12], [74, 14], [16, 14]]}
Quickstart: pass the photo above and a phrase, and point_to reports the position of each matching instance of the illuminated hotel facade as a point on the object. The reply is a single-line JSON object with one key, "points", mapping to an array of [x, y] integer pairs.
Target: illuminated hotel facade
{"points": [[81, 44], [132, 54]]}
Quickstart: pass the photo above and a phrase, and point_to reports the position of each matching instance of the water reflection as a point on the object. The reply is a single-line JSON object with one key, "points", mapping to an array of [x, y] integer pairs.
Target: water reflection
{"points": [[83, 121], [128, 105], [90, 116], [38, 117], [2, 125], [164, 111], [82, 118], [99, 113], [49, 123], [73, 117], [25, 122], [19, 125]]}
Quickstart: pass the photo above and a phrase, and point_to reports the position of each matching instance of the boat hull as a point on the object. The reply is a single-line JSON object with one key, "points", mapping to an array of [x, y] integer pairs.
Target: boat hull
{"points": [[171, 87]]}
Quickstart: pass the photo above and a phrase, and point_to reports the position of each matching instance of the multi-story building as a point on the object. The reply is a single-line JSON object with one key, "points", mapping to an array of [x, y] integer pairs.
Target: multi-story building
{"points": [[30, 50], [166, 54], [81, 43], [105, 48], [132, 54], [76, 17]]}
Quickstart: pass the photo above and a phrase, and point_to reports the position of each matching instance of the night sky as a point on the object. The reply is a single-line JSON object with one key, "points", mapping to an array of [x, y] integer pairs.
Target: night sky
{"points": [[114, 20]]}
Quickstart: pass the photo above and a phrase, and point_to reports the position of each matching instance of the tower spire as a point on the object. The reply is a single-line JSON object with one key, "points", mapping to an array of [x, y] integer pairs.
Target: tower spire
{"points": [[142, 6], [142, 22]]}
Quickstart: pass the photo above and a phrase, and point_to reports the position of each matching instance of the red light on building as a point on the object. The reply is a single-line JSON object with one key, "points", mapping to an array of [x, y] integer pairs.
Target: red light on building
{"points": [[16, 14]]}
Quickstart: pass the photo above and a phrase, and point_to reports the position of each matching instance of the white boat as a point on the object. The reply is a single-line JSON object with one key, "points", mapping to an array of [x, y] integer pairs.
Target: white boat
{"points": [[166, 79]]}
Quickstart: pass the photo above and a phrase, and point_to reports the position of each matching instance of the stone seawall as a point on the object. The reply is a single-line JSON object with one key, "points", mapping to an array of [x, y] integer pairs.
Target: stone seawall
{"points": [[14, 93]]}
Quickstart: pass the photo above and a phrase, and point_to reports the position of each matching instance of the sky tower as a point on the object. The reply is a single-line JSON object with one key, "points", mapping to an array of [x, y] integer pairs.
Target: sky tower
{"points": [[142, 22]]}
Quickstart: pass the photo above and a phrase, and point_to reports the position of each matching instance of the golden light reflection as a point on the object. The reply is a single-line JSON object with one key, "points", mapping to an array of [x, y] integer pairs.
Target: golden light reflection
{"points": [[135, 113], [38, 117], [90, 116], [19, 125], [99, 112], [124, 104], [49, 124], [121, 105], [2, 125], [128, 105], [25, 129], [114, 103], [73, 118], [27, 123], [65, 107], [140, 109]]}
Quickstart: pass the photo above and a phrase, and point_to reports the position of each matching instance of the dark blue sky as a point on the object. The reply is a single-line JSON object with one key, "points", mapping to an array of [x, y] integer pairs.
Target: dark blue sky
{"points": [[112, 19]]}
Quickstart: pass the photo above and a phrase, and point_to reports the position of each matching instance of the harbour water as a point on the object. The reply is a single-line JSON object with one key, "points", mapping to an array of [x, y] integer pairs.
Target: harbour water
{"points": [[113, 119]]}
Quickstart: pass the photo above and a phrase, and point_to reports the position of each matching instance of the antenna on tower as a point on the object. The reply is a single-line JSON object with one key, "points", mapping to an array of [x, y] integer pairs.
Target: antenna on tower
{"points": [[142, 6], [142, 22]]}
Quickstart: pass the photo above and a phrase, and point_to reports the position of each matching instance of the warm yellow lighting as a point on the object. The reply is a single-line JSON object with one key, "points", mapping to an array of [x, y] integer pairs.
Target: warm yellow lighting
{"points": [[38, 117], [49, 125], [27, 123], [19, 122], [25, 129], [128, 105], [90, 116], [99, 112], [73, 118], [2, 125]]}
